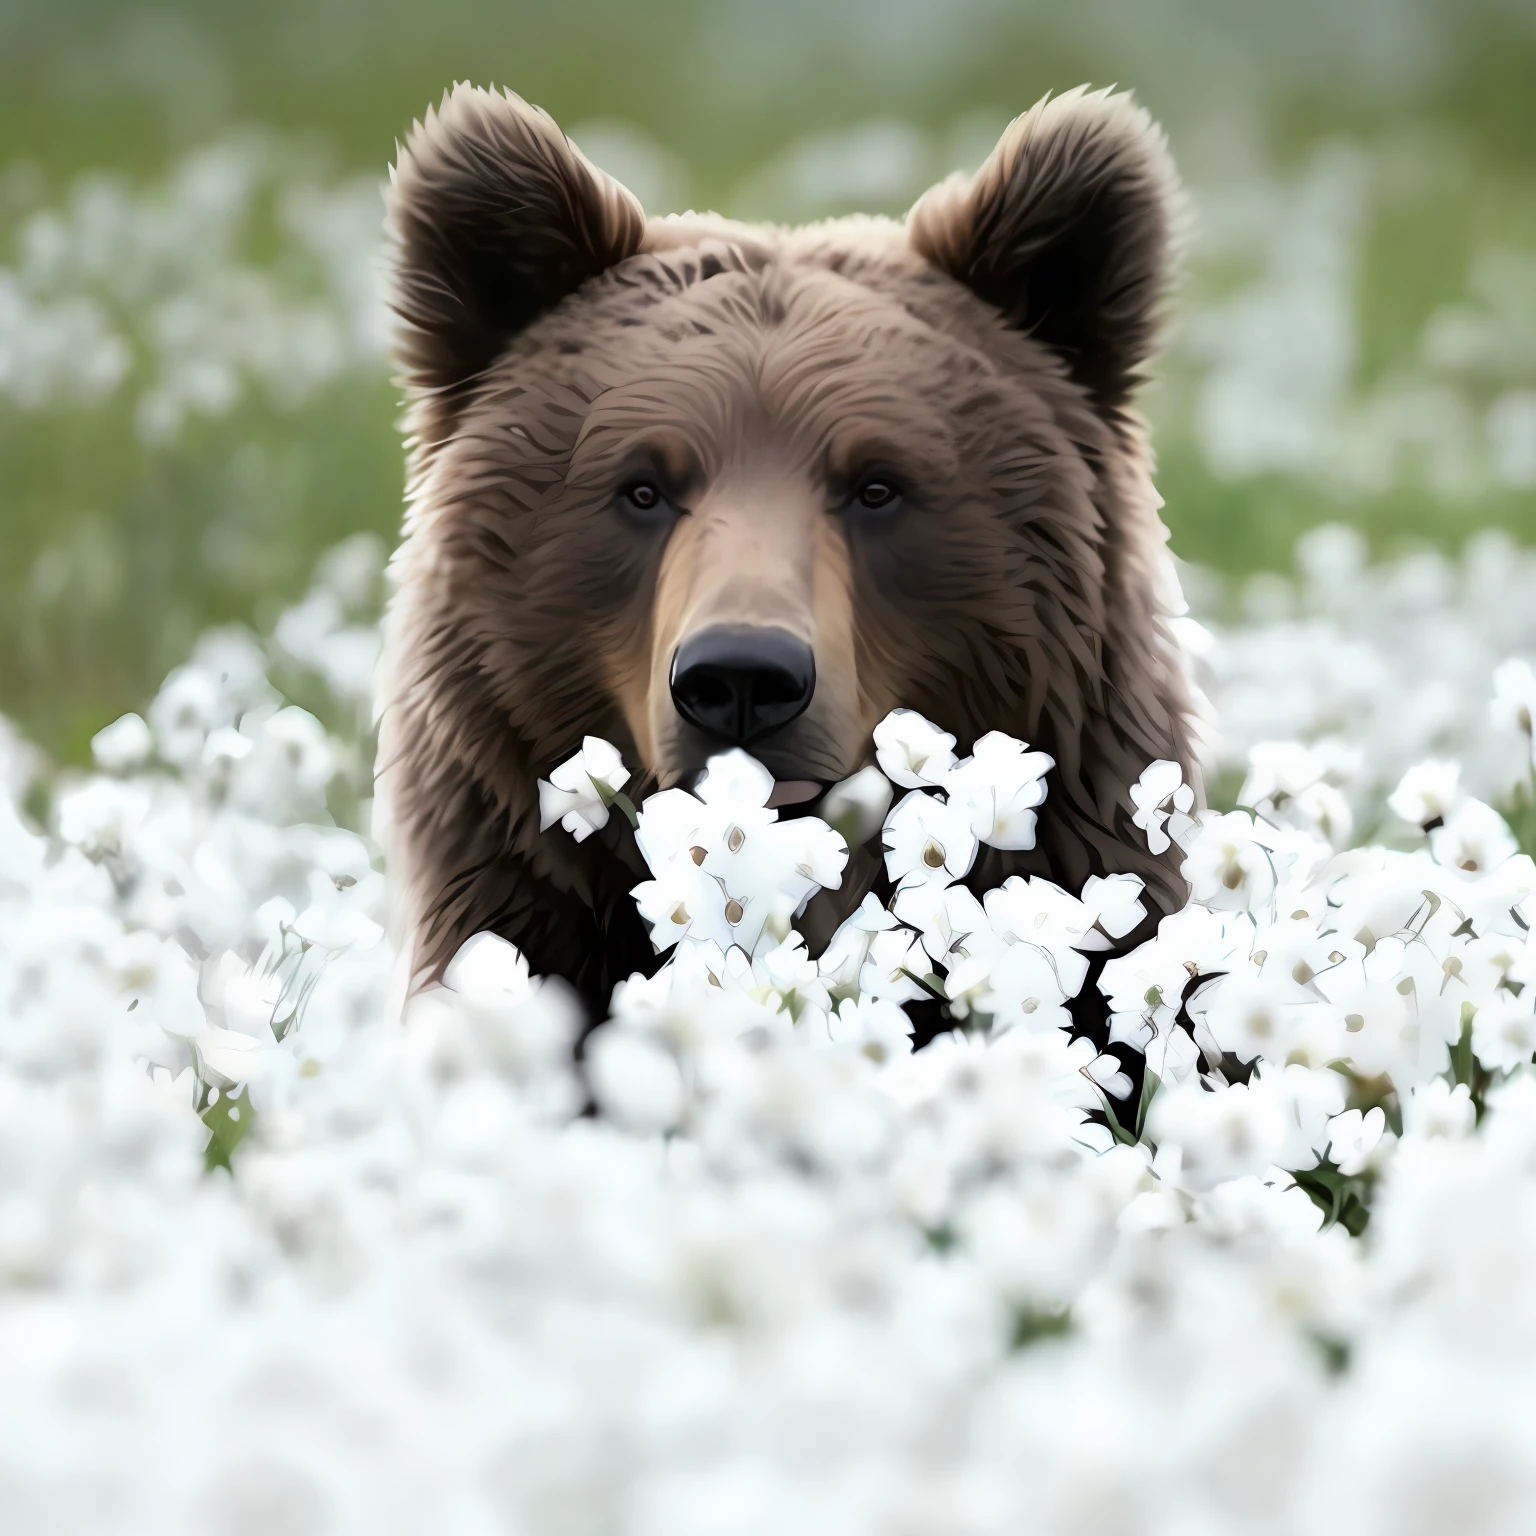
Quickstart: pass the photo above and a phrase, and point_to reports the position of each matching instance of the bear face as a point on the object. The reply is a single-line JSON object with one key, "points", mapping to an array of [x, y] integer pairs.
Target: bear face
{"points": [[690, 483]]}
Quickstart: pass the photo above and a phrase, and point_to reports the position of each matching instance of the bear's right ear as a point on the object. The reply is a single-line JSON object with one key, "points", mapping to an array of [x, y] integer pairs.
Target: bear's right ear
{"points": [[496, 216], [1068, 229]]}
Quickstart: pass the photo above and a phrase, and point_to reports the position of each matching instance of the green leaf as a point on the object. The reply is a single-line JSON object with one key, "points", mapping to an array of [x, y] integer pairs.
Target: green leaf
{"points": [[229, 1122], [1463, 1063], [1344, 1199], [1333, 1351], [1031, 1324], [1124, 1137], [1149, 1086], [931, 982]]}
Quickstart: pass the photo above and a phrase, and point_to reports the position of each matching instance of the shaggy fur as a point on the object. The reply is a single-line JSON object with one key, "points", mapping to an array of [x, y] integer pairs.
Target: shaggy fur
{"points": [[556, 347]]}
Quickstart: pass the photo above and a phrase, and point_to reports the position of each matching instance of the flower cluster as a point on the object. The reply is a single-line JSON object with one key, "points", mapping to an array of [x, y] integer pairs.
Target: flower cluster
{"points": [[1350, 674], [156, 290], [275, 1255], [730, 878]]}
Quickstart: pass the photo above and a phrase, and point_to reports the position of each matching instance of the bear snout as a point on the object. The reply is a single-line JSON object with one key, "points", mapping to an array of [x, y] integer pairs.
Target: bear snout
{"points": [[737, 683]]}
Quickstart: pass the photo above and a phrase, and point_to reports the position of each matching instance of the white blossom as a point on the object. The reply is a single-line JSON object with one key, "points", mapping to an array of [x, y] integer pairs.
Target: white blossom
{"points": [[1229, 864], [856, 807], [1001, 784], [1354, 1136], [123, 745], [1439, 1108], [1514, 697], [876, 1026], [912, 752], [578, 793], [1504, 1033], [928, 841], [750, 1208], [1474, 839], [843, 958], [1204, 1138], [1116, 904], [1427, 792], [635, 1080], [896, 967], [1162, 802]]}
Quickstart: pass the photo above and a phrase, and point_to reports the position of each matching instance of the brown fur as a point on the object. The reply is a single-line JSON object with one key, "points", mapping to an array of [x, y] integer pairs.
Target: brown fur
{"points": [[555, 345]]}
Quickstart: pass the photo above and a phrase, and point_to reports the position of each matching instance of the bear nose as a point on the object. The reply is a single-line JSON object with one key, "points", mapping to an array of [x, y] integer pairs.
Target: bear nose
{"points": [[738, 683]]}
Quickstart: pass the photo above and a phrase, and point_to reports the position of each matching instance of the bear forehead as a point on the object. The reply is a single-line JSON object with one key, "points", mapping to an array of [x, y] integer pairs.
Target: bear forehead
{"points": [[837, 330]]}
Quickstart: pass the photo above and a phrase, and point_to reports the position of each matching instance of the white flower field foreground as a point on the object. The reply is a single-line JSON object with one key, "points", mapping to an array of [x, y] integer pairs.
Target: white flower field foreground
{"points": [[276, 1258]]}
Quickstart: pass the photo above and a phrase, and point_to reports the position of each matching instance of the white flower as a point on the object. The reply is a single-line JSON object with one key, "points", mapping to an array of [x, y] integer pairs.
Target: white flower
{"points": [[1474, 839], [816, 852], [1191, 943], [1322, 809], [1437, 1108], [1278, 771], [895, 966], [634, 1079], [288, 767], [1397, 1015], [1204, 1138], [102, 817], [1245, 1016], [1001, 784], [1504, 1033], [1024, 989], [877, 1026], [1307, 1099], [670, 823], [956, 934], [1514, 697], [578, 792], [1116, 904], [735, 779], [927, 840], [123, 745], [1353, 1137], [848, 948], [786, 976], [488, 972], [725, 870], [856, 807], [1427, 792], [187, 707], [911, 751], [1228, 864], [225, 747], [1107, 1072], [1161, 793], [1035, 911]]}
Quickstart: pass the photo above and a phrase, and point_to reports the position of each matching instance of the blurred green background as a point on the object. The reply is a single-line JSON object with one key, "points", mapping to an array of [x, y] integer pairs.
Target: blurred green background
{"points": [[193, 397]]}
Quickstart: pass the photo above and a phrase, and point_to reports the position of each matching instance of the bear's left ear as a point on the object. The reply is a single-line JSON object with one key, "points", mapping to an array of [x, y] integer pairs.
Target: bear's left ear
{"points": [[1068, 230]]}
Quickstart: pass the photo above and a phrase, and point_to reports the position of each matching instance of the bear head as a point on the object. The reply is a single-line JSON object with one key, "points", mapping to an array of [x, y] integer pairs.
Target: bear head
{"points": [[689, 483]]}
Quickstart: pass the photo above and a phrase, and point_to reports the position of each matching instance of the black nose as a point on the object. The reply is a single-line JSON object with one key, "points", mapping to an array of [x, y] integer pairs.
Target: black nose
{"points": [[739, 684]]}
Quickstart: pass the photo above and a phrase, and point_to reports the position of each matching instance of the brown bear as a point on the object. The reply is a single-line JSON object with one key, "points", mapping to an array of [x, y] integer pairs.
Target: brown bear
{"points": [[688, 483]]}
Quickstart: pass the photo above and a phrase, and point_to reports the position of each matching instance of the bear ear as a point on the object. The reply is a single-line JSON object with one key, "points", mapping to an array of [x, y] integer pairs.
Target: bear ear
{"points": [[495, 216], [1068, 229]]}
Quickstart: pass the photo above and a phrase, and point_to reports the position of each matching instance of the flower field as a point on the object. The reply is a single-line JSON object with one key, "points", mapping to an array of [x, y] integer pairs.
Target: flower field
{"points": [[273, 1259], [282, 1251]]}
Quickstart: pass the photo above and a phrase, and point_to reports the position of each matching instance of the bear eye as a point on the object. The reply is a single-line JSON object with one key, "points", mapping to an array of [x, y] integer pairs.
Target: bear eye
{"points": [[878, 496], [643, 501]]}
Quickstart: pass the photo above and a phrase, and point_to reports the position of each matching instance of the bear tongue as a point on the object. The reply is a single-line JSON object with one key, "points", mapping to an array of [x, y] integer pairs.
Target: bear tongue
{"points": [[792, 792]]}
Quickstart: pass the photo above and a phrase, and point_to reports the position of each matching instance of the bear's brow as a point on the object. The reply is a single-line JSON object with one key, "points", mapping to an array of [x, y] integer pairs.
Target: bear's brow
{"points": [[688, 268]]}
